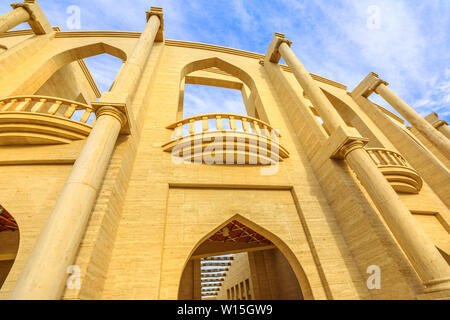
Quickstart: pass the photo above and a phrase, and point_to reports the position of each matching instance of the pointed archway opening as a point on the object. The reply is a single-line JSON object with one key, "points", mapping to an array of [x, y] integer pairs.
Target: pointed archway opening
{"points": [[238, 263], [9, 243]]}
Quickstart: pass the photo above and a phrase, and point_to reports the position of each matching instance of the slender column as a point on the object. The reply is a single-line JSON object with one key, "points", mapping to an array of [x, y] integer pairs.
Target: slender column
{"points": [[44, 274], [427, 261], [312, 90], [424, 256], [46, 268], [129, 75], [28, 11], [440, 125], [414, 119], [13, 18]]}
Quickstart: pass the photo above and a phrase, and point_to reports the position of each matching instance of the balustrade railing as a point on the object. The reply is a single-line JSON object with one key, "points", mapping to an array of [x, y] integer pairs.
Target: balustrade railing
{"points": [[232, 135], [396, 169], [235, 123], [68, 109]]}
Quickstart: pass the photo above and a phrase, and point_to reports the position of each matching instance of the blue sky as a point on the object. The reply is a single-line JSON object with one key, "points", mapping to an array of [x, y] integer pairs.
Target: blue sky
{"points": [[405, 41]]}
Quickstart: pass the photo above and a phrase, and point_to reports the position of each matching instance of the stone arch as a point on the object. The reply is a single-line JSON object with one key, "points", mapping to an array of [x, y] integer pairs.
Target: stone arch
{"points": [[9, 243], [277, 242], [29, 81], [233, 70]]}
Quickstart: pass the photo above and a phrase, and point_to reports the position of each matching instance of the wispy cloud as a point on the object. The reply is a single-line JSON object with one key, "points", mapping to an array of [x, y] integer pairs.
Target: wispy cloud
{"points": [[410, 49]]}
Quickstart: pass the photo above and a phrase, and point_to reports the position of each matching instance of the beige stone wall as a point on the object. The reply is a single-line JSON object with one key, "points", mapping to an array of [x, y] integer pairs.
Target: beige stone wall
{"points": [[238, 278], [273, 277], [29, 192], [151, 214]]}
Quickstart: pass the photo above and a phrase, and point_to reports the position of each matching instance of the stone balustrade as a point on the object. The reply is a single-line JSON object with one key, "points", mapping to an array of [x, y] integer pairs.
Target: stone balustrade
{"points": [[48, 105], [398, 172], [235, 137], [32, 119]]}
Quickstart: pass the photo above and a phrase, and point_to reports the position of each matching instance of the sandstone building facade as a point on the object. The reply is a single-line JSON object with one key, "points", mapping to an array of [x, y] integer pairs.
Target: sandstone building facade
{"points": [[315, 193]]}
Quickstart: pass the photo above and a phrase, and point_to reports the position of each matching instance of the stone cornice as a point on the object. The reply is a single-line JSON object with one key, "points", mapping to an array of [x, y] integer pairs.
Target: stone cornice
{"points": [[24, 32], [170, 43]]}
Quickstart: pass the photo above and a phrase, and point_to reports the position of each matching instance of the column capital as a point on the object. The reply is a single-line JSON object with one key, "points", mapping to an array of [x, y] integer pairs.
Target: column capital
{"points": [[273, 52], [343, 140], [116, 110], [434, 120], [369, 85], [157, 11], [38, 21]]}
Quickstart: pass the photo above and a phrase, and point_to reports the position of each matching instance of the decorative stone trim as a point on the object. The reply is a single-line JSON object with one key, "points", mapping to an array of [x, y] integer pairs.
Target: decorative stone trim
{"points": [[116, 110], [344, 140]]}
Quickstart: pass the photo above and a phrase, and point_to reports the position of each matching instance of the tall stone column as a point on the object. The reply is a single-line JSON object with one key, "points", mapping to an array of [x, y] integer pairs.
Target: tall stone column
{"points": [[438, 124], [28, 11], [45, 272], [414, 118], [346, 143], [13, 18]]}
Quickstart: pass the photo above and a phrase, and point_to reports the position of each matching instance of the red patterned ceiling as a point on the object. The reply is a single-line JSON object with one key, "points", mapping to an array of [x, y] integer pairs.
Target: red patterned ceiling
{"points": [[7, 222], [237, 232]]}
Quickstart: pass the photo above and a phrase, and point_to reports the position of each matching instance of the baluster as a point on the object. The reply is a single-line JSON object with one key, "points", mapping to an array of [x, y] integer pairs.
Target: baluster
{"points": [[382, 156], [401, 160], [179, 131], [205, 124], [265, 130], [38, 106], [376, 153], [23, 105], [93, 122], [393, 158], [192, 126], [245, 125], [86, 115], [232, 123], [374, 157], [9, 105], [70, 111], [219, 123], [257, 129], [55, 107]]}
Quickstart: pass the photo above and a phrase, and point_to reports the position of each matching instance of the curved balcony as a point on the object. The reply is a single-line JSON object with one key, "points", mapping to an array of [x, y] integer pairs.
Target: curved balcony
{"points": [[222, 138], [42, 120], [397, 171]]}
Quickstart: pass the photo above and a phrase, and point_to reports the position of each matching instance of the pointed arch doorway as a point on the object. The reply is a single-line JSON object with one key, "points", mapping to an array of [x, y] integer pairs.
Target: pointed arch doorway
{"points": [[240, 261], [9, 243]]}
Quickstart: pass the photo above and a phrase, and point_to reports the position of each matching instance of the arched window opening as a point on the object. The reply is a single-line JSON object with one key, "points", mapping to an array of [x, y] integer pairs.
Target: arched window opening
{"points": [[82, 81], [104, 69], [202, 99], [9, 243], [238, 263], [215, 124]]}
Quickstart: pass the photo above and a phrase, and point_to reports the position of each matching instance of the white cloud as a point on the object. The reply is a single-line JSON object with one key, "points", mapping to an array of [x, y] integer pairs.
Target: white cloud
{"points": [[410, 50]]}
